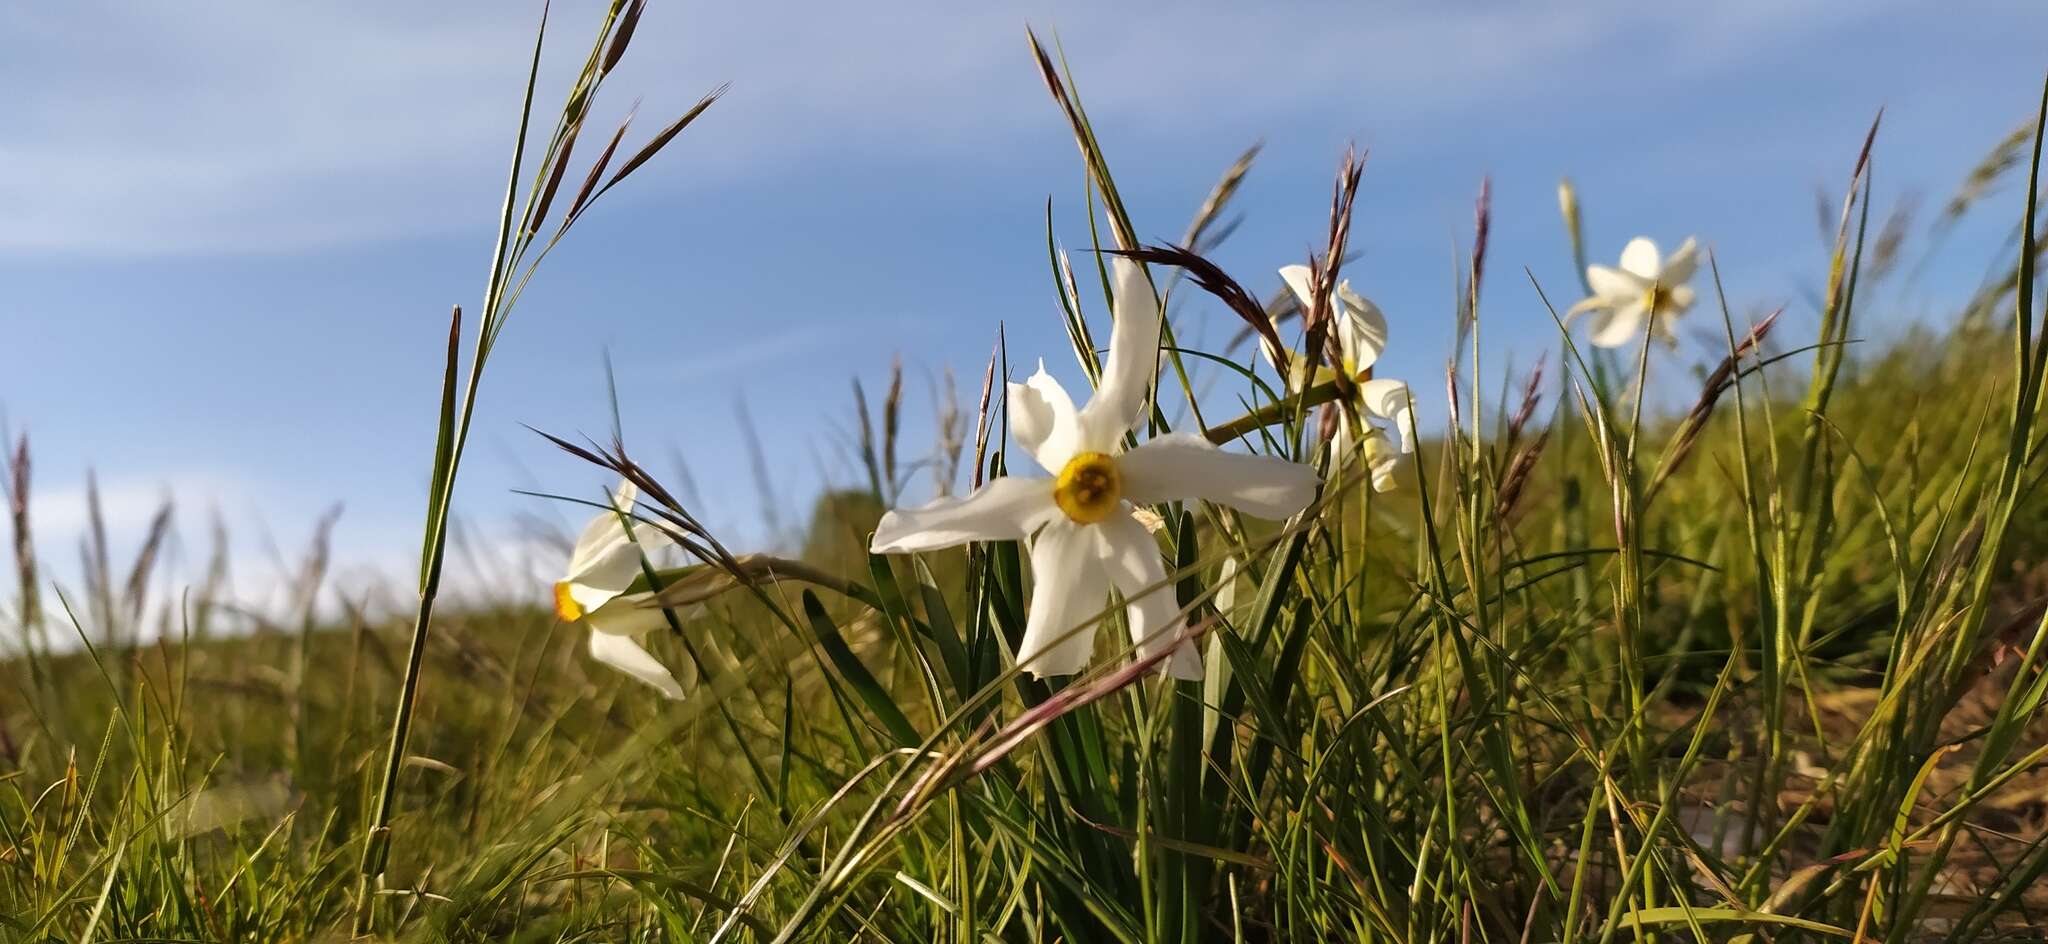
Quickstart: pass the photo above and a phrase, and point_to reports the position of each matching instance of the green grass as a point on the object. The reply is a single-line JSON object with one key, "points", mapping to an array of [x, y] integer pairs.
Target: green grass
{"points": [[1770, 668]]}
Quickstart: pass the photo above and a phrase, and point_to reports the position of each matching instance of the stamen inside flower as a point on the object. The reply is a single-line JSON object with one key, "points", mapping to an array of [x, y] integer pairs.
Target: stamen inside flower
{"points": [[1089, 487], [566, 606]]}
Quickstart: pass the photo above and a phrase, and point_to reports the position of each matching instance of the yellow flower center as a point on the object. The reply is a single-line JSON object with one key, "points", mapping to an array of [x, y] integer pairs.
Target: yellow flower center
{"points": [[1657, 300], [566, 606], [1089, 487]]}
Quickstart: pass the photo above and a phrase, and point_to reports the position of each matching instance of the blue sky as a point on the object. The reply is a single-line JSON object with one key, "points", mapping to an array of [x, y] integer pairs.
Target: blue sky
{"points": [[230, 231]]}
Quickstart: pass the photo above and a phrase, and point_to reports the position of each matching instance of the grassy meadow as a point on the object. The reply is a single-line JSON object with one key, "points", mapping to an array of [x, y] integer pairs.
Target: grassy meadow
{"points": [[1767, 666]]}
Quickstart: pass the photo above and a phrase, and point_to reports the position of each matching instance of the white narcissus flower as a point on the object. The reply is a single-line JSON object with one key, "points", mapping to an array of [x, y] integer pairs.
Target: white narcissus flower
{"points": [[1361, 332], [1647, 283], [1085, 538], [601, 568], [1360, 327]]}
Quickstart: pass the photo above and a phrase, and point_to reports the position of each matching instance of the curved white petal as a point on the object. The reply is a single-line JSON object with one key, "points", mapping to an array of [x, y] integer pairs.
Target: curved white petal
{"points": [[624, 653], [627, 615], [1182, 466], [1613, 283], [1618, 327], [605, 576], [1005, 509], [1068, 593], [1382, 460], [1135, 569], [1389, 400], [1602, 320], [1602, 307], [1680, 299], [1680, 265], [1341, 438], [1298, 365], [626, 495], [1640, 259], [604, 529], [1043, 419], [1362, 330], [1664, 323], [1133, 362], [605, 538], [1297, 278], [1272, 353]]}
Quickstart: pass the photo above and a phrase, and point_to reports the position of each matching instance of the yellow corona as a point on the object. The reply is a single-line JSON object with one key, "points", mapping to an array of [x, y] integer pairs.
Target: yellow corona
{"points": [[1089, 487], [1657, 300], [566, 606]]}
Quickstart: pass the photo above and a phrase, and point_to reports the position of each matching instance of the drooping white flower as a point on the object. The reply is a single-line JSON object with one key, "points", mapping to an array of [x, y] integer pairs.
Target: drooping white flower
{"points": [[1361, 332], [1386, 400], [1084, 537], [602, 567], [1646, 283]]}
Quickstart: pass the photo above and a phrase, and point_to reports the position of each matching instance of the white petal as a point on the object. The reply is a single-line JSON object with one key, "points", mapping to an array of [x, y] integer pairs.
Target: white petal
{"points": [[602, 531], [1043, 420], [1640, 259], [1389, 400], [1133, 362], [1362, 332], [1340, 440], [1667, 335], [1297, 365], [1068, 593], [605, 576], [1613, 283], [1182, 466], [1005, 509], [627, 615], [1618, 327], [1382, 460], [604, 540], [1272, 353], [1679, 267], [1137, 572], [624, 654], [1297, 279], [626, 495], [1383, 471], [1679, 301]]}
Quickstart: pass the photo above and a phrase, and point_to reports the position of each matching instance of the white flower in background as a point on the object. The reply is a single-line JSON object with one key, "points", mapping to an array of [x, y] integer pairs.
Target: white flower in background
{"points": [[1379, 400], [1360, 327], [601, 568], [1085, 538], [1361, 331], [1647, 283]]}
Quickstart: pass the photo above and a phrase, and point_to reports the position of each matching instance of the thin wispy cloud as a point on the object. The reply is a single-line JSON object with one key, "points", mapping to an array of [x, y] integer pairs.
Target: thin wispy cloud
{"points": [[241, 126]]}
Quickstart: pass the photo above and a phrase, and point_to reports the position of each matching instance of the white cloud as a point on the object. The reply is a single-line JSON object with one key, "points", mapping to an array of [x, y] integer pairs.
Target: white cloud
{"points": [[239, 125], [372, 562], [233, 125]]}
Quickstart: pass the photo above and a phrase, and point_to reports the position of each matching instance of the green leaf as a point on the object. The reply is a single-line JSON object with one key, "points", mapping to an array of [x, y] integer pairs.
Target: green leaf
{"points": [[864, 683]]}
